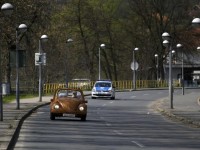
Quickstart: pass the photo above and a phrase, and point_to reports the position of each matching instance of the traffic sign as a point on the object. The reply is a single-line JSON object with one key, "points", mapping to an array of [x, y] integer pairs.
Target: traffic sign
{"points": [[134, 65], [40, 58]]}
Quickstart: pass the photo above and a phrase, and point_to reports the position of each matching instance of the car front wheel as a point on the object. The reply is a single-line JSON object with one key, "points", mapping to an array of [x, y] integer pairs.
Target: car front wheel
{"points": [[83, 118], [112, 98], [52, 116]]}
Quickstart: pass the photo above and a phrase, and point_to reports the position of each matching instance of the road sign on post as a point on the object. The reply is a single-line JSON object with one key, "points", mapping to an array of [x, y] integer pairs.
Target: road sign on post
{"points": [[134, 65], [40, 58]]}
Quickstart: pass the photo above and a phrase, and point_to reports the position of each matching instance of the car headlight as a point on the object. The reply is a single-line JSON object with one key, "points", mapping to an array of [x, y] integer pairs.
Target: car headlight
{"points": [[56, 106], [81, 108]]}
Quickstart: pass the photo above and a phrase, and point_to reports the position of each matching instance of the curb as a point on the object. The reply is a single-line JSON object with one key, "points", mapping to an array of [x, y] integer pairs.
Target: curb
{"points": [[15, 136], [198, 101], [156, 105]]}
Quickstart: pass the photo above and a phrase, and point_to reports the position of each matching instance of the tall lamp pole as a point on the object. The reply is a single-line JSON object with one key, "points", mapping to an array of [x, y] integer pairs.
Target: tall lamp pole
{"points": [[7, 9], [66, 80], [22, 28], [134, 70], [101, 46], [156, 57], [166, 37], [43, 38], [182, 70]]}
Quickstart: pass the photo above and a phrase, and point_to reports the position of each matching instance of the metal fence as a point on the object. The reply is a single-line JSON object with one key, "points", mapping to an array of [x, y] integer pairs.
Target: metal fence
{"points": [[49, 88]]}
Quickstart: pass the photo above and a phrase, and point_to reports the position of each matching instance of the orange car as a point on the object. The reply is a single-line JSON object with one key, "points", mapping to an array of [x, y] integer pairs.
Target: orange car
{"points": [[68, 101]]}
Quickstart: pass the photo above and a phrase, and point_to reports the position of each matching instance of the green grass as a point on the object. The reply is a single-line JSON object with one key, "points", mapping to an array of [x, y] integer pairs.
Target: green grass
{"points": [[12, 97]]}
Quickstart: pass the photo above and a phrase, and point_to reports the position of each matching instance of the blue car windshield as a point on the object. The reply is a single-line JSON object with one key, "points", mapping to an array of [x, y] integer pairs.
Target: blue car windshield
{"points": [[103, 84]]}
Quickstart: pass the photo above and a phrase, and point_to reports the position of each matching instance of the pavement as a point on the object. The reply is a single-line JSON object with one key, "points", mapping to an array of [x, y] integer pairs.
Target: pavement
{"points": [[186, 109]]}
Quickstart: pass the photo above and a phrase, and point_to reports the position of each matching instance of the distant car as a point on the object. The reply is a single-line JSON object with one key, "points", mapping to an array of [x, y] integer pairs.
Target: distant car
{"points": [[68, 101], [103, 89]]}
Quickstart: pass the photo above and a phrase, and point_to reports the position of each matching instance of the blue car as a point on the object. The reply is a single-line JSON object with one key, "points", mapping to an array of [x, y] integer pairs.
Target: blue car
{"points": [[103, 89]]}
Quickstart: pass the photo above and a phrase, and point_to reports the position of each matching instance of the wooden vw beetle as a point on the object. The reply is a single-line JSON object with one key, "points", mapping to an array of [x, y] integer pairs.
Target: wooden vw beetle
{"points": [[68, 101]]}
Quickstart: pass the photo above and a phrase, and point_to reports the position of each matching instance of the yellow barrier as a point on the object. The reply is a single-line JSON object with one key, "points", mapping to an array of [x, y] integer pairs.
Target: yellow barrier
{"points": [[49, 88]]}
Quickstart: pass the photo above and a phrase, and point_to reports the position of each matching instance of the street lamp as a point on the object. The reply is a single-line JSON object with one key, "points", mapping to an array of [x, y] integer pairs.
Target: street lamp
{"points": [[7, 9], [43, 38], [22, 28], [156, 57], [166, 37], [68, 41], [179, 46], [196, 21], [101, 46], [134, 68]]}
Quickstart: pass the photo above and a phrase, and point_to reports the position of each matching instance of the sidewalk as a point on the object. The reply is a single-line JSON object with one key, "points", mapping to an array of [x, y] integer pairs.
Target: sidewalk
{"points": [[12, 118], [186, 109]]}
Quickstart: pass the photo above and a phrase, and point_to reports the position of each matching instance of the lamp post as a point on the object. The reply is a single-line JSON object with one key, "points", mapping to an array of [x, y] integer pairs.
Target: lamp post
{"points": [[156, 57], [166, 37], [7, 9], [43, 38], [68, 41], [134, 68], [182, 70], [22, 28], [101, 46]]}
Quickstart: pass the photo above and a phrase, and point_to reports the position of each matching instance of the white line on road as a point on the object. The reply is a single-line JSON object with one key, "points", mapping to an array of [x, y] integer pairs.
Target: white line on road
{"points": [[117, 132], [111, 102], [145, 94], [133, 96], [138, 144], [104, 105], [108, 124]]}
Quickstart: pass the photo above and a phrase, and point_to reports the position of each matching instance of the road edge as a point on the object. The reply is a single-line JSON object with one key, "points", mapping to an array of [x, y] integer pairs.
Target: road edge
{"points": [[15, 136]]}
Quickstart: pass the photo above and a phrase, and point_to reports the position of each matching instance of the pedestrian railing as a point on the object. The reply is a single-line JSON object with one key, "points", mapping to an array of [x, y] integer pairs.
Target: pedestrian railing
{"points": [[119, 85]]}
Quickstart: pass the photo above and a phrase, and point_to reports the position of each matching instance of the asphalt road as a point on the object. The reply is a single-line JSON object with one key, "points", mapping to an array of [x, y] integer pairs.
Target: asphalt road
{"points": [[126, 123]]}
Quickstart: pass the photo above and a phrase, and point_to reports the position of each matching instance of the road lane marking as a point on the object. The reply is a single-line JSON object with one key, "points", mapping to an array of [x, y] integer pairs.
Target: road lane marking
{"points": [[108, 124], [111, 102], [104, 105], [117, 132], [138, 144], [133, 96], [145, 94]]}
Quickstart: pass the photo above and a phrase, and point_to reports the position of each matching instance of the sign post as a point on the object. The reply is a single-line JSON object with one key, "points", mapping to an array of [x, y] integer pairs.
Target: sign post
{"points": [[134, 67]]}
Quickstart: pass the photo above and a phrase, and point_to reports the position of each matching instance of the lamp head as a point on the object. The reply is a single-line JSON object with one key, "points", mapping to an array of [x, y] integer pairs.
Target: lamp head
{"points": [[136, 49], [44, 38], [102, 45], [166, 36], [7, 8], [179, 45], [196, 22], [166, 43], [22, 28], [69, 40]]}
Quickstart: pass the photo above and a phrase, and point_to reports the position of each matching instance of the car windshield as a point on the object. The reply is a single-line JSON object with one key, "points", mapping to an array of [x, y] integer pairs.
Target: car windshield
{"points": [[103, 84], [69, 93]]}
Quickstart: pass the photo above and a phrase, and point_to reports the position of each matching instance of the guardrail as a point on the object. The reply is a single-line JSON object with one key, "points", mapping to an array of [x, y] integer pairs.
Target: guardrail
{"points": [[120, 85]]}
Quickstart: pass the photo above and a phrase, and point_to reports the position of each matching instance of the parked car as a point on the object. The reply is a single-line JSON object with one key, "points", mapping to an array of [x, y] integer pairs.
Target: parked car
{"points": [[68, 101], [103, 89]]}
